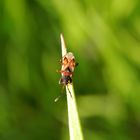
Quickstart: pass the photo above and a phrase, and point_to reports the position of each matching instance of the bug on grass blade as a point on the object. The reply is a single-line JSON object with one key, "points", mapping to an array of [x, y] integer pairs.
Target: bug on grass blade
{"points": [[68, 65]]}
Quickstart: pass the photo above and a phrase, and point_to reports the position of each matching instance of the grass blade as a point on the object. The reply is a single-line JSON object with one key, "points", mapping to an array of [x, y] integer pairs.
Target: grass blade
{"points": [[73, 117]]}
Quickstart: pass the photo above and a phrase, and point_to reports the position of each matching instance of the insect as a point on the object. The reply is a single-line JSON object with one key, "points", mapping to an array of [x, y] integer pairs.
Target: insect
{"points": [[67, 70], [68, 62], [68, 65]]}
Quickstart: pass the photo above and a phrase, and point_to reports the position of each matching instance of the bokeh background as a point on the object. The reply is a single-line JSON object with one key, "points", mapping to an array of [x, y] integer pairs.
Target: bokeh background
{"points": [[105, 38]]}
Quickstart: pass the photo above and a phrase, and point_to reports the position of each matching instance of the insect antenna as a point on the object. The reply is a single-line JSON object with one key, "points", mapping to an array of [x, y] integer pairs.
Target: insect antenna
{"points": [[69, 91]]}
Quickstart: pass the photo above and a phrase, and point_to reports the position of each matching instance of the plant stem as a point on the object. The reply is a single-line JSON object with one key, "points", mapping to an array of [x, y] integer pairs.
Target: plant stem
{"points": [[73, 117]]}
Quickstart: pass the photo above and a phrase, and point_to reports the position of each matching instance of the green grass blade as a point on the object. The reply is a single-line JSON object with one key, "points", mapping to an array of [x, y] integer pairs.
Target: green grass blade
{"points": [[73, 117], [74, 122]]}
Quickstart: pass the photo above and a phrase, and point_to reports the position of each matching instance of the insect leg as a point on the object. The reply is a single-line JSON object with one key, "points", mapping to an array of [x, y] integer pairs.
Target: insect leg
{"points": [[56, 99]]}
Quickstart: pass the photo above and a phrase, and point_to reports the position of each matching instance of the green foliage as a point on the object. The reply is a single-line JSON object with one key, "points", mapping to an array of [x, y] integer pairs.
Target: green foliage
{"points": [[105, 38]]}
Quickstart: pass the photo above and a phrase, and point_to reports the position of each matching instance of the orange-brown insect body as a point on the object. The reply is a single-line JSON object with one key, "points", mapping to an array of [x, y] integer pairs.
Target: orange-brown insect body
{"points": [[68, 64], [67, 69]]}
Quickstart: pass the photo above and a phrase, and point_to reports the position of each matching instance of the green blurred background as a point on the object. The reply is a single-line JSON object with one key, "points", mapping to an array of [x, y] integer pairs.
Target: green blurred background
{"points": [[105, 38]]}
